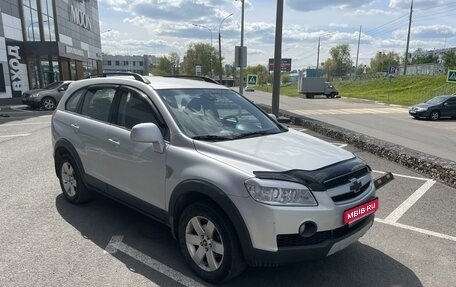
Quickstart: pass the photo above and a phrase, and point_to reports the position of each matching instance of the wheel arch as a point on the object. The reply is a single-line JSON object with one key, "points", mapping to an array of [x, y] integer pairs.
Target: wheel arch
{"points": [[196, 190], [63, 147]]}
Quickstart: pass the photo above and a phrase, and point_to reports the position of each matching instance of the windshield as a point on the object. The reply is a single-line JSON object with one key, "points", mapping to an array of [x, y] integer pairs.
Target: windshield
{"points": [[217, 114], [437, 100], [54, 85]]}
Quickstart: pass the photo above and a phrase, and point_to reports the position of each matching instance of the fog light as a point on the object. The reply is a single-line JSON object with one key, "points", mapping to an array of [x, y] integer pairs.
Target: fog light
{"points": [[307, 229]]}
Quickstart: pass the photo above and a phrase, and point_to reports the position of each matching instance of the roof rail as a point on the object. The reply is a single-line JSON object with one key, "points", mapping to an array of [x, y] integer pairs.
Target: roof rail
{"points": [[201, 78], [137, 76]]}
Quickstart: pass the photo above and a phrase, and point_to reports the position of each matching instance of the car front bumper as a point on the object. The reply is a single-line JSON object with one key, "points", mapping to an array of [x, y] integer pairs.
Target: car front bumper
{"points": [[340, 239], [31, 101], [274, 230], [419, 114]]}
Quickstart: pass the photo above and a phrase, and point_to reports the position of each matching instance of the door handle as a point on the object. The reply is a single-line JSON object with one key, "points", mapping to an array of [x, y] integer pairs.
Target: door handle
{"points": [[114, 142], [75, 127]]}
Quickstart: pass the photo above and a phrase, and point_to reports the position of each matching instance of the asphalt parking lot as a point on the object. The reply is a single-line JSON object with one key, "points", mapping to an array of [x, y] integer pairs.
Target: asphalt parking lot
{"points": [[49, 242]]}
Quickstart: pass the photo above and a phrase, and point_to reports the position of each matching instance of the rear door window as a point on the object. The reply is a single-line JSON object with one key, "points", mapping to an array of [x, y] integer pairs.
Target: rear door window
{"points": [[97, 103]]}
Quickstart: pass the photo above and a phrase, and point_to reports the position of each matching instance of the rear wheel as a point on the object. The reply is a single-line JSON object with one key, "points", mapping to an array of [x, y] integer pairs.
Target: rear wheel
{"points": [[209, 243], [71, 182], [435, 115], [48, 103]]}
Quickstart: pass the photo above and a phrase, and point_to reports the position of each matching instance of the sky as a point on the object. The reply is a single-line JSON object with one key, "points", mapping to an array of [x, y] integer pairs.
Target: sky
{"points": [[159, 27]]}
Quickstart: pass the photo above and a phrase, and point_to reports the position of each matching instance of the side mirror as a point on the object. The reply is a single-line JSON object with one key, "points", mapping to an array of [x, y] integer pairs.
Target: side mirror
{"points": [[445, 104], [61, 89], [272, 116], [148, 133]]}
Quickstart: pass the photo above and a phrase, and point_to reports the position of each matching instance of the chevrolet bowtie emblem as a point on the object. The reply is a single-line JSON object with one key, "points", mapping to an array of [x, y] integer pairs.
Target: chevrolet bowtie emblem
{"points": [[355, 185]]}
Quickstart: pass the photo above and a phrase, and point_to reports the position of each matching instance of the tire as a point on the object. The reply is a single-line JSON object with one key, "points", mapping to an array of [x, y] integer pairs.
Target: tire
{"points": [[206, 235], [434, 115], [73, 188], [48, 103]]}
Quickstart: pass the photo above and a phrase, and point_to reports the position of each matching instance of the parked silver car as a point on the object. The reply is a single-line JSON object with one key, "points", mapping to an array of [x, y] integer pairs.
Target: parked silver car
{"points": [[46, 98], [234, 186]]}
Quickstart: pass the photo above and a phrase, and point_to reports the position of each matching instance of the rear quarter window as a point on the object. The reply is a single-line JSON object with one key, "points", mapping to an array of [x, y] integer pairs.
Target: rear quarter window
{"points": [[72, 103]]}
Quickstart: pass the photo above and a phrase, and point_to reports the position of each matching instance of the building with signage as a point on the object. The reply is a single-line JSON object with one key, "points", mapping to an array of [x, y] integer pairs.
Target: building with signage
{"points": [[43, 41]]}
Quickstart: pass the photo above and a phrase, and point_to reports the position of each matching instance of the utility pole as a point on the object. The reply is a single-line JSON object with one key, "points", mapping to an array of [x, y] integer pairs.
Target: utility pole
{"points": [[277, 59], [318, 53], [357, 52], [220, 49], [241, 76], [408, 39]]}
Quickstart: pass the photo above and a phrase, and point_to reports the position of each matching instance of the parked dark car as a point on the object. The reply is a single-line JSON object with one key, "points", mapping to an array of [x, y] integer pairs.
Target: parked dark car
{"points": [[46, 98], [438, 107]]}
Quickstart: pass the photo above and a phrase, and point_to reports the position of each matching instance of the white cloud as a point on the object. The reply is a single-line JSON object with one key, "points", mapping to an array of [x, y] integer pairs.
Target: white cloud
{"points": [[370, 12], [306, 6]]}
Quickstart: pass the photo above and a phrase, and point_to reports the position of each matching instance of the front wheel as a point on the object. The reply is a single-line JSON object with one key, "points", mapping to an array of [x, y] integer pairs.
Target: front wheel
{"points": [[209, 243], [48, 103], [435, 115]]}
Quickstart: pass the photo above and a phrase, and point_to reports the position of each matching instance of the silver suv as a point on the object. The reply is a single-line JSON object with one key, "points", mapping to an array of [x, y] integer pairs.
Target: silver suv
{"points": [[234, 186]]}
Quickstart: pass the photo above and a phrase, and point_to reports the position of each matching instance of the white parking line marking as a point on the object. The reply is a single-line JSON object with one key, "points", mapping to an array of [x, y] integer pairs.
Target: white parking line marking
{"points": [[12, 136], [25, 124], [416, 229], [409, 202], [341, 145], [20, 110], [116, 244]]}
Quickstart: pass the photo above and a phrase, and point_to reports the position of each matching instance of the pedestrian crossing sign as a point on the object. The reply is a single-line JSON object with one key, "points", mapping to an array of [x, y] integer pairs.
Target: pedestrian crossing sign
{"points": [[451, 78], [252, 80]]}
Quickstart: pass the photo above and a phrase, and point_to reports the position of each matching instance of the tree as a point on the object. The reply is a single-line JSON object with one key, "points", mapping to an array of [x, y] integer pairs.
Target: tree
{"points": [[382, 61], [163, 68], [423, 57], [201, 54], [449, 59], [175, 62], [340, 63]]}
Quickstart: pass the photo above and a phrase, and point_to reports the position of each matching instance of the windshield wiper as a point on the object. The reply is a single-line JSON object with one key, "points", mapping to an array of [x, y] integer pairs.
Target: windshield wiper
{"points": [[255, 134], [213, 138]]}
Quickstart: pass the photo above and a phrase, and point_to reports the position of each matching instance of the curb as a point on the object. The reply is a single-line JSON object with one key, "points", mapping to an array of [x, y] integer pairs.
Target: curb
{"points": [[435, 167]]}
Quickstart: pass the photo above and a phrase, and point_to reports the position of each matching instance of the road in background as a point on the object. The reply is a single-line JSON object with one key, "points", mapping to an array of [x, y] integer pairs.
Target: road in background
{"points": [[389, 123], [48, 242]]}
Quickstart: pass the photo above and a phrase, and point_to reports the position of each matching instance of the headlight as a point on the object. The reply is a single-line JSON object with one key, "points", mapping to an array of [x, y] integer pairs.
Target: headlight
{"points": [[35, 95], [276, 192], [420, 109]]}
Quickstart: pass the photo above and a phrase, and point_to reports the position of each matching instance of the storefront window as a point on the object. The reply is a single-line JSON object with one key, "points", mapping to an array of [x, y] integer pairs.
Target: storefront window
{"points": [[89, 67], [73, 69], [43, 71]]}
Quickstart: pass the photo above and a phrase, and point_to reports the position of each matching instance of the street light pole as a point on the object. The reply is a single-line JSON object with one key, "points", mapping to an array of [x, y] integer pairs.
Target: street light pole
{"points": [[220, 48], [210, 30], [241, 77]]}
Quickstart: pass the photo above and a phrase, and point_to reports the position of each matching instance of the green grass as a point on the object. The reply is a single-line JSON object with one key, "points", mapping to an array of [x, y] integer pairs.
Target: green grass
{"points": [[402, 90]]}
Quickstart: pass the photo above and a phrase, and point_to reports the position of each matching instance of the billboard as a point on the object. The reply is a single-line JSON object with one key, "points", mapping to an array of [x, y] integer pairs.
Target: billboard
{"points": [[284, 67]]}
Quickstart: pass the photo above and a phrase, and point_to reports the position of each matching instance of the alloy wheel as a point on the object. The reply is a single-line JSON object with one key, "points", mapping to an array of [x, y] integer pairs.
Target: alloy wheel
{"points": [[48, 104], [435, 115], [69, 181], [204, 243]]}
